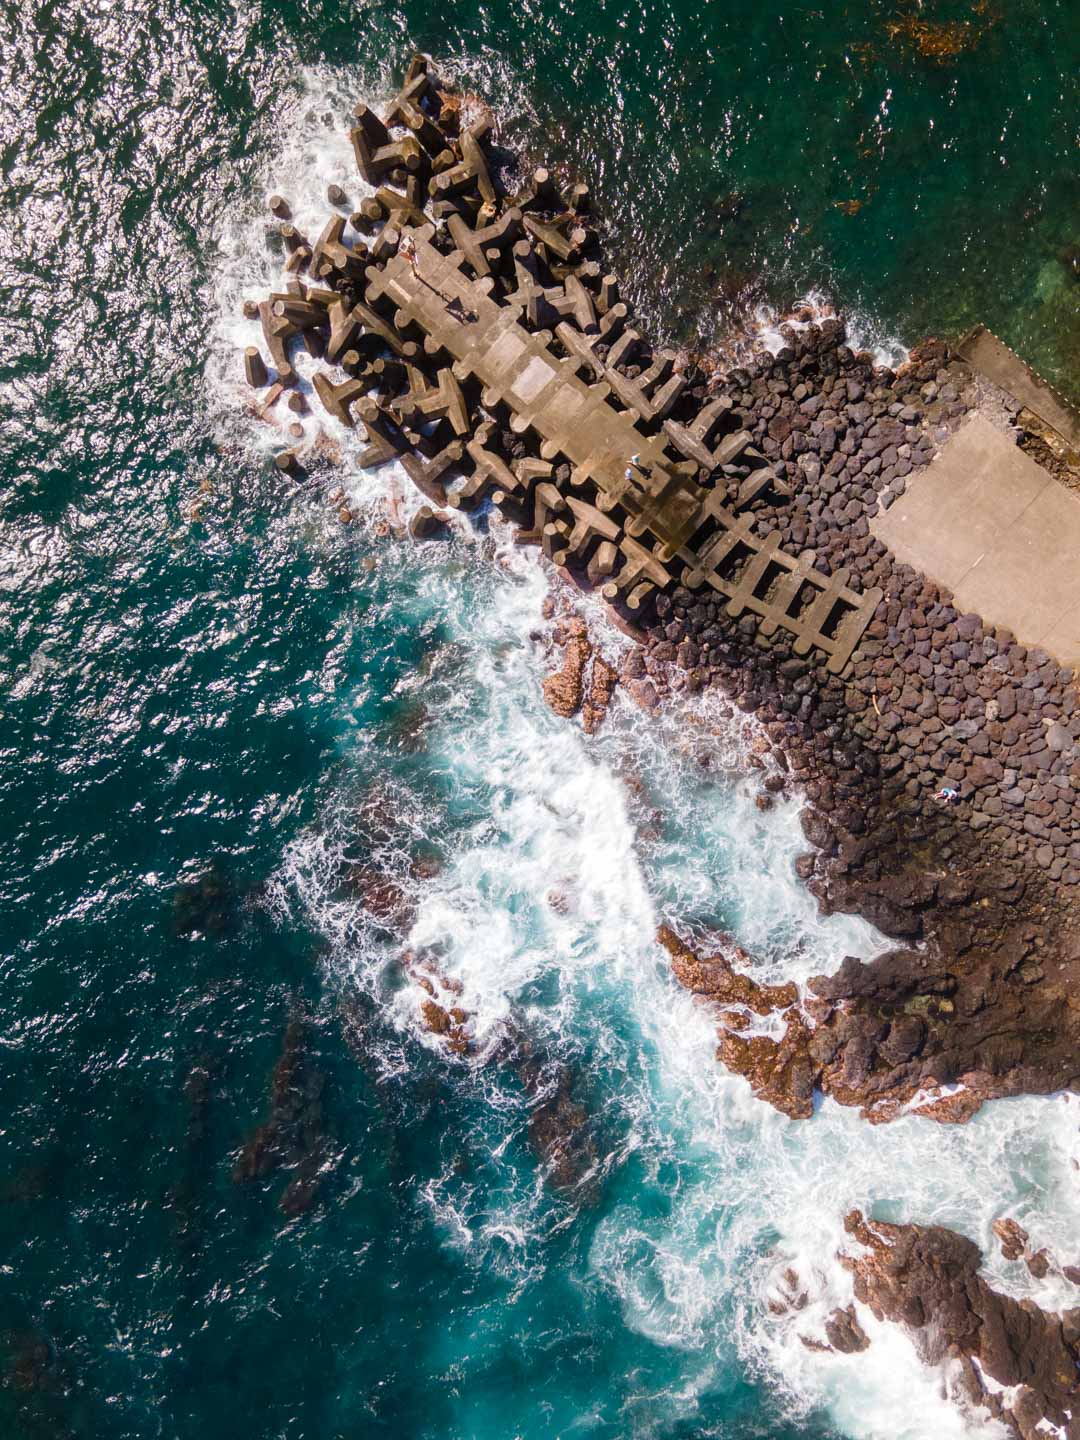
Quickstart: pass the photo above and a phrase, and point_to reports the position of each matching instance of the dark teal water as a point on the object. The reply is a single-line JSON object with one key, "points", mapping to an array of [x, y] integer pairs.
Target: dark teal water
{"points": [[201, 719]]}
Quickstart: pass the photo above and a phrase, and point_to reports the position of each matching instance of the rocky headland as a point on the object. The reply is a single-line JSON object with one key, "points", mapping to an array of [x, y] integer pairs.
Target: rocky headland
{"points": [[1003, 1356], [980, 997], [467, 315]]}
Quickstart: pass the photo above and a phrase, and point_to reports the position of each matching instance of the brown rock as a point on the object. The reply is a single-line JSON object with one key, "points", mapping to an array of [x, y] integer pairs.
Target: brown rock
{"points": [[1013, 1237], [844, 1333], [779, 1071], [643, 693], [1039, 1264], [602, 682], [715, 978], [927, 1279], [381, 896], [563, 691]]}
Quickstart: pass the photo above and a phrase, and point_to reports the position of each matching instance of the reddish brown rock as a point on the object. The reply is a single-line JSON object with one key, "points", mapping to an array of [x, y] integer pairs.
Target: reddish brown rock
{"points": [[564, 690], [381, 896], [927, 1279], [643, 693], [715, 978], [1039, 1263], [790, 1294], [1013, 1237], [779, 1071], [844, 1333], [602, 682], [441, 1016]]}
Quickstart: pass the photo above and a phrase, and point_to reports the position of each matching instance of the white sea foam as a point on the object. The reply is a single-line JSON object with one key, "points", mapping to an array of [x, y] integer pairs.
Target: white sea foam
{"points": [[748, 1193], [653, 818], [315, 153], [863, 331]]}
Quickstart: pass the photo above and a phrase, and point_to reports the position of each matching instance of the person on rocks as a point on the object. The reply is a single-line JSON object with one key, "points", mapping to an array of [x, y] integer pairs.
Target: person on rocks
{"points": [[407, 247], [947, 795]]}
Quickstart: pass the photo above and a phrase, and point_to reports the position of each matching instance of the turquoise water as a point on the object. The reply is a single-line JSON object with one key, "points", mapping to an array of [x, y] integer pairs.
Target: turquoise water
{"points": [[212, 717]]}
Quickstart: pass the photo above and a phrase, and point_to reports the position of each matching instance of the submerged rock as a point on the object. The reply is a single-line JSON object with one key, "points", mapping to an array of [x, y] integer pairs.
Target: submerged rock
{"points": [[206, 906], [292, 1135], [559, 1130], [381, 896]]}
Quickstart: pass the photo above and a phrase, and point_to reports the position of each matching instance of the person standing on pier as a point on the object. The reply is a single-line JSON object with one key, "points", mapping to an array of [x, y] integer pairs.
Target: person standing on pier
{"points": [[407, 247]]}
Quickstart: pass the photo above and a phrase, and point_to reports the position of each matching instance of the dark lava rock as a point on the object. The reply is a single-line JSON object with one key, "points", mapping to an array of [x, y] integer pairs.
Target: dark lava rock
{"points": [[844, 1333], [927, 1279]]}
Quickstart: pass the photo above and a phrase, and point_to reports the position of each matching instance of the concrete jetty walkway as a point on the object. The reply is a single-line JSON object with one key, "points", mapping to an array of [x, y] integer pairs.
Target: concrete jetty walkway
{"points": [[650, 522], [994, 527], [484, 348]]}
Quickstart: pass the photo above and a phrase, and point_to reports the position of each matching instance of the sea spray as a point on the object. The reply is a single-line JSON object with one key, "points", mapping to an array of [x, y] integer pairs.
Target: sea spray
{"points": [[863, 331], [729, 1193]]}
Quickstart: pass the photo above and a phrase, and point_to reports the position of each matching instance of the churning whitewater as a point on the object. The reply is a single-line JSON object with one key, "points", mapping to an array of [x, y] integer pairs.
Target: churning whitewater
{"points": [[554, 858]]}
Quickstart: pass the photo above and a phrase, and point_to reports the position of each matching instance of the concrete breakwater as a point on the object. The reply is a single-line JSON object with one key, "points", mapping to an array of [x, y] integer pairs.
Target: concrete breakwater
{"points": [[486, 343], [726, 515]]}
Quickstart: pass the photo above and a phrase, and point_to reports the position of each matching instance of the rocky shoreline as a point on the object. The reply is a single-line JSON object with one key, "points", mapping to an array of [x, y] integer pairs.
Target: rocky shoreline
{"points": [[980, 997], [986, 887], [1000, 1358], [1005, 1356], [787, 456]]}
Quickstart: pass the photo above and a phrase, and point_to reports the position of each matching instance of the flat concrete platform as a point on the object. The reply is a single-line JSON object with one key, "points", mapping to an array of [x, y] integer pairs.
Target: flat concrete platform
{"points": [[989, 523]]}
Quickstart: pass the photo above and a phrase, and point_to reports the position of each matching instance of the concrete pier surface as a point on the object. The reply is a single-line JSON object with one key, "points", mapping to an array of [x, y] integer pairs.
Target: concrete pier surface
{"points": [[991, 357], [994, 527]]}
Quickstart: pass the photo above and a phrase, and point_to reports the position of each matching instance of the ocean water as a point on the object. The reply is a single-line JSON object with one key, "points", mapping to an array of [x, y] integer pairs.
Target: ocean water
{"points": [[228, 718]]}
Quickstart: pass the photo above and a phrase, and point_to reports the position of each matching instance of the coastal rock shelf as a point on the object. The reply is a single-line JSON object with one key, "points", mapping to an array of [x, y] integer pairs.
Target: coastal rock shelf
{"points": [[484, 343]]}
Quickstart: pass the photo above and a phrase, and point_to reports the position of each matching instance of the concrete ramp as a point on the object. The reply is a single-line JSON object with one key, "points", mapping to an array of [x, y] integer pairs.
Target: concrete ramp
{"points": [[984, 352], [989, 523]]}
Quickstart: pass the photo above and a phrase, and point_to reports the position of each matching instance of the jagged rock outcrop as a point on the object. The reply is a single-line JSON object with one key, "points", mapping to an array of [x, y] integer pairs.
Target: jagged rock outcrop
{"points": [[440, 1010], [602, 682], [844, 1333], [779, 1071], [906, 1031], [926, 1278], [585, 681], [715, 978]]}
